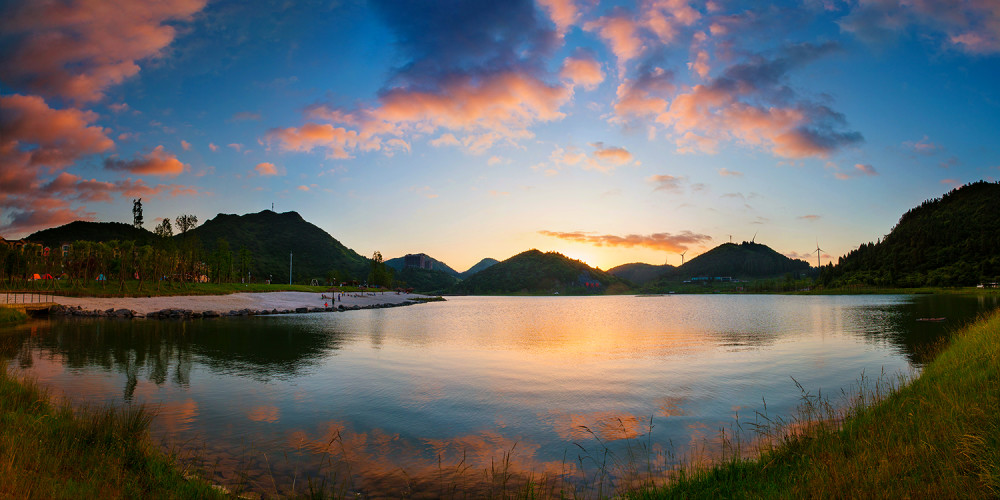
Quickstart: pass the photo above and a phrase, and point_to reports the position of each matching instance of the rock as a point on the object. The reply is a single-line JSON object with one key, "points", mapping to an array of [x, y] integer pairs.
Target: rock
{"points": [[210, 314], [301, 309]]}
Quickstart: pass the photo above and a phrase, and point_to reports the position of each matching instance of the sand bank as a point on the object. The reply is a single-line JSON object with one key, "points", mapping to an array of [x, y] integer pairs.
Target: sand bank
{"points": [[236, 301]]}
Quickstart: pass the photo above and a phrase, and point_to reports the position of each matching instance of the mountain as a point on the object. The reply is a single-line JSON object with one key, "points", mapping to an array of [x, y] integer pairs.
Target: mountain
{"points": [[270, 237], [640, 273], [91, 231], [742, 261], [539, 273], [949, 241], [399, 262], [429, 281], [483, 264]]}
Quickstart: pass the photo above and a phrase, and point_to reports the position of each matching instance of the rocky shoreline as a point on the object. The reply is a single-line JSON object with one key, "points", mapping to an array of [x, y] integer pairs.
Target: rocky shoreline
{"points": [[171, 313]]}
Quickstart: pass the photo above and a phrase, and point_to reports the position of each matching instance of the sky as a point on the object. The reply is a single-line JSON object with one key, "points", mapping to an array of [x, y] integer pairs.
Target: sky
{"points": [[612, 132]]}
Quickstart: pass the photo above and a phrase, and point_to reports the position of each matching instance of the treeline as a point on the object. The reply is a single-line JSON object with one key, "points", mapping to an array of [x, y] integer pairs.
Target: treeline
{"points": [[950, 241]]}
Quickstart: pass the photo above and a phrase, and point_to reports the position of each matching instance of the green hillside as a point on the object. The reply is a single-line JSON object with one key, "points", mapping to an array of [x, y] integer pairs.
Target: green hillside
{"points": [[534, 272], [949, 241], [436, 265], [744, 261], [91, 231], [640, 273], [483, 264], [270, 237], [430, 281]]}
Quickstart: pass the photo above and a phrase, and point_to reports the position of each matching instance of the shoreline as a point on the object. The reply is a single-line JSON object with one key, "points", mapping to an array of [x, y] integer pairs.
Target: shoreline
{"points": [[236, 304]]}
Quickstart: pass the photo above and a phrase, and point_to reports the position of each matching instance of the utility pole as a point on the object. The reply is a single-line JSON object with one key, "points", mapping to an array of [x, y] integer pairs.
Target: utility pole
{"points": [[289, 268]]}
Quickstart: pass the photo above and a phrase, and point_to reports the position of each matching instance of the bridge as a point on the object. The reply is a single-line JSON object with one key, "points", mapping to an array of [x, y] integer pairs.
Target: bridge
{"points": [[28, 301]]}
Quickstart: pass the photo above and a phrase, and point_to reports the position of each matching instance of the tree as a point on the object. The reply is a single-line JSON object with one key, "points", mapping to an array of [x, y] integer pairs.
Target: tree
{"points": [[137, 213], [164, 230], [380, 275], [186, 222]]}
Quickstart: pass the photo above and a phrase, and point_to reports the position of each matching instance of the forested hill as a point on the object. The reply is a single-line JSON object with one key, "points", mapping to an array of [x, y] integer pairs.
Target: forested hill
{"points": [[270, 237], [744, 260], [398, 262], [539, 273], [91, 231], [640, 273], [952, 240], [483, 264]]}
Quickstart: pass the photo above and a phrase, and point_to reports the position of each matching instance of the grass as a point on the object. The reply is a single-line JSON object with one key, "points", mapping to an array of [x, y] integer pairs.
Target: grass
{"points": [[10, 316], [50, 450], [936, 437]]}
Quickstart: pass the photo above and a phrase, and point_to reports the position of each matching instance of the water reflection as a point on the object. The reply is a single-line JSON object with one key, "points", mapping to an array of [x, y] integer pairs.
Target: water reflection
{"points": [[416, 400]]}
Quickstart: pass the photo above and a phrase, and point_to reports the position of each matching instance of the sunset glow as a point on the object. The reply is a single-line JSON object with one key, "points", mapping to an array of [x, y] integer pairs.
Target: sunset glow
{"points": [[613, 132]]}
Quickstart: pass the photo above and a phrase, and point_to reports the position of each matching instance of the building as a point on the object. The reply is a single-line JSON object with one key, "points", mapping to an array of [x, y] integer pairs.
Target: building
{"points": [[418, 260]]}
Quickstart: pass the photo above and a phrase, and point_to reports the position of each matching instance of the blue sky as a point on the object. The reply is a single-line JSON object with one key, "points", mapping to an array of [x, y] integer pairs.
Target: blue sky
{"points": [[612, 132]]}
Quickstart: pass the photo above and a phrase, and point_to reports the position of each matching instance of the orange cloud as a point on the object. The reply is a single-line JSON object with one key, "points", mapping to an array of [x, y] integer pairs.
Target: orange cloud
{"points": [[666, 182], [657, 241], [563, 13], [185, 145], [643, 96], [266, 169], [621, 33], [157, 162], [312, 135], [810, 217], [77, 49], [865, 169], [33, 134], [583, 71], [725, 172], [615, 155]]}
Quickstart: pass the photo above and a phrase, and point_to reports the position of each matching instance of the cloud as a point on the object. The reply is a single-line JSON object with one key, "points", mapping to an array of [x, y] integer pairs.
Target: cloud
{"points": [[34, 135], [424, 191], [236, 146], [77, 49], [657, 241], [245, 116], [971, 26], [213, 147], [266, 169], [666, 182], [603, 158], [621, 33], [725, 172], [156, 162], [185, 145], [860, 169], [923, 146], [865, 169], [809, 217], [582, 70], [643, 95], [445, 140], [750, 103], [611, 154], [564, 13]]}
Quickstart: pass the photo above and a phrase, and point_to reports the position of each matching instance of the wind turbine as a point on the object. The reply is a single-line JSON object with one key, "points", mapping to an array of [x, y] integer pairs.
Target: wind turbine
{"points": [[818, 251], [682, 256], [754, 237]]}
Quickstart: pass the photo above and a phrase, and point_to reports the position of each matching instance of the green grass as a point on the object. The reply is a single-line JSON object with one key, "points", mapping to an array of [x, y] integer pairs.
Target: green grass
{"points": [[936, 437], [50, 450], [9, 316]]}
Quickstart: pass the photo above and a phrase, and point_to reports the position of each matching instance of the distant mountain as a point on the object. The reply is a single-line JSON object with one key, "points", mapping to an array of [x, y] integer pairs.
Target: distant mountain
{"points": [[483, 264], [91, 231], [270, 237], [640, 273], [539, 273], [430, 281], [398, 264], [743, 261], [948, 241]]}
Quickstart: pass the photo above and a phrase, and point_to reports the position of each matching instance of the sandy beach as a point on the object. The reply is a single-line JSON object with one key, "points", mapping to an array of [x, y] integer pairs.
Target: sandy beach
{"points": [[236, 301]]}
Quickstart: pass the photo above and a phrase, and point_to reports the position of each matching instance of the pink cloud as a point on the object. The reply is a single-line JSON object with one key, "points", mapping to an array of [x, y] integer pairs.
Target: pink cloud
{"points": [[657, 241], [971, 26], [236, 146], [32, 134], [725, 172], [77, 49], [643, 96], [666, 182], [923, 146], [312, 135], [621, 33], [865, 169], [563, 13], [156, 162], [615, 155], [445, 140], [213, 147], [185, 145], [584, 71], [810, 217], [264, 169]]}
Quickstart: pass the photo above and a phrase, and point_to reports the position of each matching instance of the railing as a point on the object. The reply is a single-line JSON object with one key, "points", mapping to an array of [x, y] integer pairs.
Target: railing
{"points": [[27, 296]]}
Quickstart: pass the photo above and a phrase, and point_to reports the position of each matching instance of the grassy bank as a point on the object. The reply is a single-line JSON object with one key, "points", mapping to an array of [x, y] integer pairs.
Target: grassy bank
{"points": [[131, 288], [938, 437], [10, 316], [49, 450]]}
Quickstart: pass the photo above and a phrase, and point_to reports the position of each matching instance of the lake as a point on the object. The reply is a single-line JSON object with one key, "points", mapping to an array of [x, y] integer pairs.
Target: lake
{"points": [[477, 391]]}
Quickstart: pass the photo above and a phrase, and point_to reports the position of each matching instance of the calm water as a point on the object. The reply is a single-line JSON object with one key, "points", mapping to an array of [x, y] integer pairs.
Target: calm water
{"points": [[403, 400]]}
